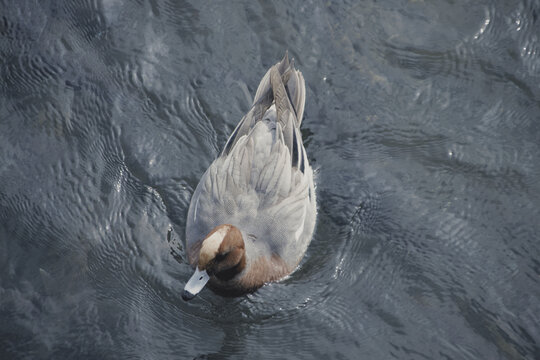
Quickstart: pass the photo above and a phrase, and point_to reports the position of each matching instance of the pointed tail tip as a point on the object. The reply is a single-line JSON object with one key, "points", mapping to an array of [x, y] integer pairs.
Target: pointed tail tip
{"points": [[285, 60]]}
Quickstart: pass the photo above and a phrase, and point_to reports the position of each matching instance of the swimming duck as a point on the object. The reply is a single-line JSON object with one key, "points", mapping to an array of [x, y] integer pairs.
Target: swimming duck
{"points": [[252, 215]]}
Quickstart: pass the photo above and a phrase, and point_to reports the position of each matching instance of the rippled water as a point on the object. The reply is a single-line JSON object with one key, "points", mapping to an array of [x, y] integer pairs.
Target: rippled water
{"points": [[422, 118]]}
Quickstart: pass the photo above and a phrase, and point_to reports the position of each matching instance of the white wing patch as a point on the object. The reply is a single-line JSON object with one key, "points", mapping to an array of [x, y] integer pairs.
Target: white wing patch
{"points": [[195, 209], [302, 222]]}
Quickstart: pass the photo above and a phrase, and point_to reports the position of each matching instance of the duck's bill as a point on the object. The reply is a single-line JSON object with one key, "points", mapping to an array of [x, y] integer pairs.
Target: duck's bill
{"points": [[195, 284]]}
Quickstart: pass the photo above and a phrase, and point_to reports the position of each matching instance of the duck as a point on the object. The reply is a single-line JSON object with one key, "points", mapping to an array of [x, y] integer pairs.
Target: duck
{"points": [[253, 212]]}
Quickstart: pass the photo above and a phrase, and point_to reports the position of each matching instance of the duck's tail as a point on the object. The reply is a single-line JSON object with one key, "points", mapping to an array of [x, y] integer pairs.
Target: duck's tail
{"points": [[284, 85], [284, 89]]}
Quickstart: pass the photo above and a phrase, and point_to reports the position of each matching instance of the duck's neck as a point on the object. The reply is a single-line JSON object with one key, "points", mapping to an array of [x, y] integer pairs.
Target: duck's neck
{"points": [[231, 273]]}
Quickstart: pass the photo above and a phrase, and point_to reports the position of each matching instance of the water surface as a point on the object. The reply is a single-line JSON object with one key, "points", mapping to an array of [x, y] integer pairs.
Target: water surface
{"points": [[422, 119]]}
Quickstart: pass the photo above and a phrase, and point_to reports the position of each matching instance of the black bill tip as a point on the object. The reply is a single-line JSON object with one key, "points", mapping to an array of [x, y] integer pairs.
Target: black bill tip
{"points": [[186, 295]]}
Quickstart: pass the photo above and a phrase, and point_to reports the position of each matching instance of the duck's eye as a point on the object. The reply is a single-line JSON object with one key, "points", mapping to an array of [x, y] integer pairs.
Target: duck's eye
{"points": [[221, 256]]}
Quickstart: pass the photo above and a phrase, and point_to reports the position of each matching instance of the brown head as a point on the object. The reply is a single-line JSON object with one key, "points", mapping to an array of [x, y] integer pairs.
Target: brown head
{"points": [[222, 255]]}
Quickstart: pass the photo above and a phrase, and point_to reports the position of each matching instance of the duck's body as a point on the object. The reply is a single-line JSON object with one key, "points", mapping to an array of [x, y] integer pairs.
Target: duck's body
{"points": [[261, 185]]}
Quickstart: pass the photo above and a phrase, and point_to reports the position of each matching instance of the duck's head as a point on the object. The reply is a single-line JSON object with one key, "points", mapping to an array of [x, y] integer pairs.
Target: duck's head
{"points": [[222, 256]]}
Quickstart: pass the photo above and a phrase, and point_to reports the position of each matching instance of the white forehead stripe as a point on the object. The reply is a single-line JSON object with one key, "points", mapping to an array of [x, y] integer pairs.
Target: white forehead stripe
{"points": [[211, 244]]}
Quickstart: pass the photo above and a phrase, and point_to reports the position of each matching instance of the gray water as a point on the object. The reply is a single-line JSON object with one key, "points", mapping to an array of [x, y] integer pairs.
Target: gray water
{"points": [[422, 120]]}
